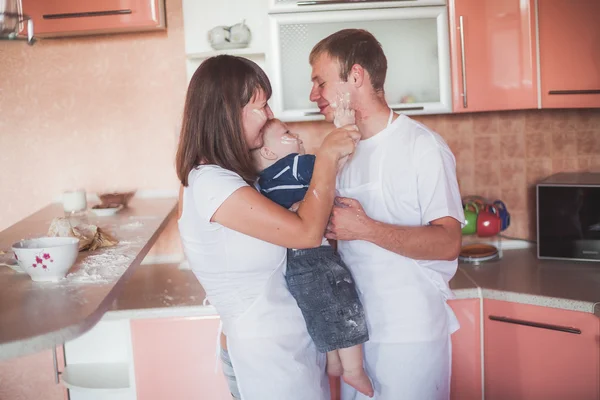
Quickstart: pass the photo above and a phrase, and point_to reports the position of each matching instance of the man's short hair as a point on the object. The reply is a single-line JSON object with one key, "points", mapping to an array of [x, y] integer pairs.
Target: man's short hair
{"points": [[354, 46]]}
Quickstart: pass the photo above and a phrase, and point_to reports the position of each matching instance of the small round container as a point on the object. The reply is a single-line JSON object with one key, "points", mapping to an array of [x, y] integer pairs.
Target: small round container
{"points": [[74, 201], [102, 211], [46, 259]]}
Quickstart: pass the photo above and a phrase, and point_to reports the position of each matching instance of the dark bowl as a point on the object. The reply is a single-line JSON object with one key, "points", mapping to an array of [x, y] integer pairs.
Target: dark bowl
{"points": [[116, 198]]}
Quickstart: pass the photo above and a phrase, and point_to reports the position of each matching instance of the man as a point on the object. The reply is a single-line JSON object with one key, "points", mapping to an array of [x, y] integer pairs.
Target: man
{"points": [[398, 224]]}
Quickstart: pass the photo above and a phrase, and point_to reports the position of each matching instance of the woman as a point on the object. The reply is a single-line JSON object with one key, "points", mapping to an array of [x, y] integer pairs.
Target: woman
{"points": [[235, 239]]}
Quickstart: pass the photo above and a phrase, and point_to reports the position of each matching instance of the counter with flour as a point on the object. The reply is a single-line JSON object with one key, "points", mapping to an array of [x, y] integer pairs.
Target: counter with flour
{"points": [[35, 316]]}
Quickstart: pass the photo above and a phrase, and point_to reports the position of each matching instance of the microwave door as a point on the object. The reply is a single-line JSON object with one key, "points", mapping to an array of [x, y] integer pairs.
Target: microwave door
{"points": [[569, 222]]}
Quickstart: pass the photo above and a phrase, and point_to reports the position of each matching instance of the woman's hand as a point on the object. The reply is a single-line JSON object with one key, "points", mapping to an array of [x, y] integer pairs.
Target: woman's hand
{"points": [[340, 143]]}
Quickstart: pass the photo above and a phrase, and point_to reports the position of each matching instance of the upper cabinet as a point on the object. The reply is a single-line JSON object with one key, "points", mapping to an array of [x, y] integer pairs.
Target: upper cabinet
{"points": [[569, 36], [415, 41], [493, 49], [286, 6], [53, 18]]}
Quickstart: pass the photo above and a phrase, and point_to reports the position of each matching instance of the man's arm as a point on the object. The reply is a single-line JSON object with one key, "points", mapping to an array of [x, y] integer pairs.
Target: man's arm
{"points": [[440, 240]]}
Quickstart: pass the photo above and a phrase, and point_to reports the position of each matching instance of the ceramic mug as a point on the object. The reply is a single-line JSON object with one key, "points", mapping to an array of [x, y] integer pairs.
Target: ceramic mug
{"points": [[502, 213], [488, 222], [471, 211]]}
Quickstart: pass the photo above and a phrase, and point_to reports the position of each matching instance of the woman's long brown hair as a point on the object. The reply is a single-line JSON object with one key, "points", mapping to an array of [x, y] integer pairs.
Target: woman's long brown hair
{"points": [[212, 130]]}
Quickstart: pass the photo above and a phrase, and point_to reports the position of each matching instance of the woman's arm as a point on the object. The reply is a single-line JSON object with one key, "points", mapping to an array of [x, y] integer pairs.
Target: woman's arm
{"points": [[249, 212]]}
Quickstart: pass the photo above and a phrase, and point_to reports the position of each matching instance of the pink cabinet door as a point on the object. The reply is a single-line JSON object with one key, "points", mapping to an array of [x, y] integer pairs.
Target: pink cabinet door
{"points": [[569, 53], [174, 358], [540, 353], [31, 377], [466, 351], [493, 56], [74, 17]]}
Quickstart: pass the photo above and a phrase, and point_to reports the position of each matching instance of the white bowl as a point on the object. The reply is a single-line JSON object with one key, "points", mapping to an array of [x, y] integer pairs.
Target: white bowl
{"points": [[106, 212], [46, 259]]}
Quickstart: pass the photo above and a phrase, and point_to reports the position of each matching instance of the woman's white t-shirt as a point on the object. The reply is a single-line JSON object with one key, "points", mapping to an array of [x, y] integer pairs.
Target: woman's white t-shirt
{"points": [[271, 351], [232, 267]]}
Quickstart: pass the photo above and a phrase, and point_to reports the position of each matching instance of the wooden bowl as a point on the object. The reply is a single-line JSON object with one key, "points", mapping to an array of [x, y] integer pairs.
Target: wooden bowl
{"points": [[116, 199]]}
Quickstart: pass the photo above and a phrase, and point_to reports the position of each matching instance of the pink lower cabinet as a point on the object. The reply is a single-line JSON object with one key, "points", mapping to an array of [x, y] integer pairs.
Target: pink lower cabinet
{"points": [[534, 352], [32, 377], [174, 358], [466, 351]]}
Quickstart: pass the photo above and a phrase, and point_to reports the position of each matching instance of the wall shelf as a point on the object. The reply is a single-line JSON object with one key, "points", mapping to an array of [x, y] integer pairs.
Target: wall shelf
{"points": [[96, 376], [245, 52]]}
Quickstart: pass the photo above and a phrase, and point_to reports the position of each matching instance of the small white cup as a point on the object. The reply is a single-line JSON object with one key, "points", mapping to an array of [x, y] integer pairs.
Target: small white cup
{"points": [[74, 201]]}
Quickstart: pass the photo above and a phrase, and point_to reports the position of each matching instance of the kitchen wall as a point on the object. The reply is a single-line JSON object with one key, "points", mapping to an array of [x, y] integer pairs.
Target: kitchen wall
{"points": [[502, 155], [103, 113]]}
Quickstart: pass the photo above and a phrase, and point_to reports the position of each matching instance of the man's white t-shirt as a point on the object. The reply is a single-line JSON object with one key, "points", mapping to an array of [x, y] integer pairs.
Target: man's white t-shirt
{"points": [[404, 175]]}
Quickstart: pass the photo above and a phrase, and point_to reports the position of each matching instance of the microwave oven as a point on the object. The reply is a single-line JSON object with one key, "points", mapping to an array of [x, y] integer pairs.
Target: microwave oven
{"points": [[568, 217]]}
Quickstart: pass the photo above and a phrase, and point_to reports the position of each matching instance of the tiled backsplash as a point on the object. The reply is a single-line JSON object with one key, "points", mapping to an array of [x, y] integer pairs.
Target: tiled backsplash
{"points": [[104, 111], [502, 155]]}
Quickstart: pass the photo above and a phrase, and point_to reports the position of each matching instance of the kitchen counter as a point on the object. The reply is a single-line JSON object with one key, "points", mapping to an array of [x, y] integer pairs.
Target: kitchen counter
{"points": [[161, 290], [39, 315], [166, 291], [520, 277]]}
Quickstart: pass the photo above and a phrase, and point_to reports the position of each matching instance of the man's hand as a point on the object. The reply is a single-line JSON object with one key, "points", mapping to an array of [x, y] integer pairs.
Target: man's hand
{"points": [[348, 221]]}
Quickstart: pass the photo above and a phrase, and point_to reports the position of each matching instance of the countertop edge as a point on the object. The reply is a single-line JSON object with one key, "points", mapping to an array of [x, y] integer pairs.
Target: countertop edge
{"points": [[166, 312], [537, 300], [23, 347]]}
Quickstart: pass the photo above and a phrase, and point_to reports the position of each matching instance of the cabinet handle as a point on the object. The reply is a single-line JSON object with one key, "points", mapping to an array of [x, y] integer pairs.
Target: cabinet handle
{"points": [[55, 363], [540, 325], [87, 14], [325, 2], [407, 108], [462, 58], [593, 91], [418, 108]]}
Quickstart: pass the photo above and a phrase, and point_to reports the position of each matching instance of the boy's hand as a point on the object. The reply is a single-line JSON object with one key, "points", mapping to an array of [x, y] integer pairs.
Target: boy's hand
{"points": [[343, 114]]}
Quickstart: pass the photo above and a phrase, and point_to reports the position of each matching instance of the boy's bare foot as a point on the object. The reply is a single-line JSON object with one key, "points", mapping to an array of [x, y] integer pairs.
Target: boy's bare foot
{"points": [[359, 380], [334, 368]]}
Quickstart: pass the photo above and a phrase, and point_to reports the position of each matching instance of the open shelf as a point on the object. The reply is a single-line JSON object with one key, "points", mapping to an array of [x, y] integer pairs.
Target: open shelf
{"points": [[245, 52], [98, 376]]}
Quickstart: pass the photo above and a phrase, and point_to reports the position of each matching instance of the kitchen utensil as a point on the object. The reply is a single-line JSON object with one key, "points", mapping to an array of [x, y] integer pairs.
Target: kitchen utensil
{"points": [[46, 259], [471, 211], [9, 16], [502, 213], [478, 252], [11, 19], [488, 222]]}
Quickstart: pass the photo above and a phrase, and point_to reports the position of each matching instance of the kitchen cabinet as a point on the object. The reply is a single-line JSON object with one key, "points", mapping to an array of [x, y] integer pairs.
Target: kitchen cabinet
{"points": [[174, 358], [52, 18], [414, 39], [569, 53], [493, 55], [292, 6], [466, 350], [30, 377], [536, 352]]}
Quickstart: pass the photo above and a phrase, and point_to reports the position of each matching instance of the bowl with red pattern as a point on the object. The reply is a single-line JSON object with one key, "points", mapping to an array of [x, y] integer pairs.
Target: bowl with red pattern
{"points": [[46, 259]]}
